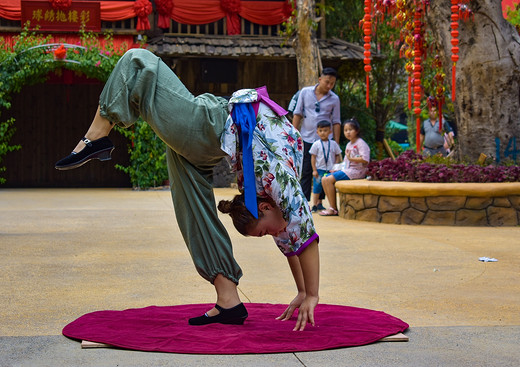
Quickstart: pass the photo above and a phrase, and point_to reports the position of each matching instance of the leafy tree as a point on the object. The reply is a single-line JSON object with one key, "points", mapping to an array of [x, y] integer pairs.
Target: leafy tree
{"points": [[387, 86], [486, 72], [486, 107]]}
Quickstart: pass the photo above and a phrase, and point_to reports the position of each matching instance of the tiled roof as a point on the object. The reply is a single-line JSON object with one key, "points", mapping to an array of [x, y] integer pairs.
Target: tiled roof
{"points": [[243, 46]]}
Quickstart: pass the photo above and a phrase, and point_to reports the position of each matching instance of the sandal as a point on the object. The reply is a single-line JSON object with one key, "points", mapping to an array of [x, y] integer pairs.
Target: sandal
{"points": [[329, 212]]}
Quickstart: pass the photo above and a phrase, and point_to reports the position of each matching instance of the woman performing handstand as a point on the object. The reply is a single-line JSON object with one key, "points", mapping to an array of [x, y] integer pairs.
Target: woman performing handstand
{"points": [[263, 148]]}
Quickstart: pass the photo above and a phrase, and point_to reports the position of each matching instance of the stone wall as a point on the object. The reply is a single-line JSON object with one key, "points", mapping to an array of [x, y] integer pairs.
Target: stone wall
{"points": [[430, 204]]}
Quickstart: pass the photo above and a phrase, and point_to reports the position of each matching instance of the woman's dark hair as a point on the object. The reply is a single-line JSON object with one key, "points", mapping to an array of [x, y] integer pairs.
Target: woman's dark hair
{"points": [[243, 220], [354, 122]]}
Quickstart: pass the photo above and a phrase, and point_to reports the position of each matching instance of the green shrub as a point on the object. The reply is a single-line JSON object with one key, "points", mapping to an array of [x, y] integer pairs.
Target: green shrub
{"points": [[6, 133], [147, 156]]}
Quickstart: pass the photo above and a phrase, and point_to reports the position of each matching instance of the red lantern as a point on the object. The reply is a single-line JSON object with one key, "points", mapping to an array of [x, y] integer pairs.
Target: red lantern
{"points": [[438, 95], [367, 30], [418, 45], [60, 53], [409, 92], [409, 68], [454, 42]]}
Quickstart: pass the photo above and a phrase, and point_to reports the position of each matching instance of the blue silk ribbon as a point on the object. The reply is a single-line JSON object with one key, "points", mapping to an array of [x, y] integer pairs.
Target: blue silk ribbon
{"points": [[244, 116]]}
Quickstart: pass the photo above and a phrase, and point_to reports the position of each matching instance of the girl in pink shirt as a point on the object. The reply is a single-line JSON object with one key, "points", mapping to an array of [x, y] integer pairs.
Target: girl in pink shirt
{"points": [[357, 156]]}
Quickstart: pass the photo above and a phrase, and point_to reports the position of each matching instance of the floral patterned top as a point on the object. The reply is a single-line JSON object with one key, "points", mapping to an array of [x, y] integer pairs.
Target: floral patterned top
{"points": [[277, 155]]}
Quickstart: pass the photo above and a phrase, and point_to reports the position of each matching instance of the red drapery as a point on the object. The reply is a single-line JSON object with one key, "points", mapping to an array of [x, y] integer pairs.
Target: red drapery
{"points": [[184, 11], [197, 12], [209, 11], [112, 11], [10, 9], [263, 12]]}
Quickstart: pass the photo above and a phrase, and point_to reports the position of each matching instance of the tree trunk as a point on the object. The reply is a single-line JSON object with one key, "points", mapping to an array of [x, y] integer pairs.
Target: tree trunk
{"points": [[487, 105], [306, 48]]}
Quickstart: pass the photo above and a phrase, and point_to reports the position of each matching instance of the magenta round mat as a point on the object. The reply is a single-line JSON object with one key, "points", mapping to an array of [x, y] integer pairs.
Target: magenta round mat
{"points": [[166, 329]]}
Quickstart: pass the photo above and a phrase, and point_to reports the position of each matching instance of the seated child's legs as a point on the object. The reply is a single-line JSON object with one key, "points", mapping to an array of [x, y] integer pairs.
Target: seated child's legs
{"points": [[340, 176]]}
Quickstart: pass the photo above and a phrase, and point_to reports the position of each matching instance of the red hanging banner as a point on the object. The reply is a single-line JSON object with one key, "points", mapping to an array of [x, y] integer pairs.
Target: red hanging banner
{"points": [[49, 18]]}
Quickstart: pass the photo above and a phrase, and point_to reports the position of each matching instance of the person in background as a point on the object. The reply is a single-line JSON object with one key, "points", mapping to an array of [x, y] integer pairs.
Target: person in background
{"points": [[357, 156], [324, 154], [316, 103], [431, 138], [292, 104]]}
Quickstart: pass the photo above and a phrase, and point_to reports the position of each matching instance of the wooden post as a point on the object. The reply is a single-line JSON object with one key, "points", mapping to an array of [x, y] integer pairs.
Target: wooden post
{"points": [[388, 149], [306, 47]]}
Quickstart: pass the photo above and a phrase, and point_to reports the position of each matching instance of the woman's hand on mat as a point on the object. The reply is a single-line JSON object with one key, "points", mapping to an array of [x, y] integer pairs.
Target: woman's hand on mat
{"points": [[306, 313], [295, 303], [306, 306]]}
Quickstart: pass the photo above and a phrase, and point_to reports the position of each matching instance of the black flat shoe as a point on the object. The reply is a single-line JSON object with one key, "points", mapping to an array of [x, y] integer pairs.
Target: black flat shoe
{"points": [[98, 149], [235, 315]]}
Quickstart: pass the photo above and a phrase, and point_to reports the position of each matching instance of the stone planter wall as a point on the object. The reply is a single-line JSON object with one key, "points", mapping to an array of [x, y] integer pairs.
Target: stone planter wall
{"points": [[459, 204]]}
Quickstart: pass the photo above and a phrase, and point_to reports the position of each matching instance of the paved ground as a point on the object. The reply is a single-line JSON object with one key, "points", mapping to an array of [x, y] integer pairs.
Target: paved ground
{"points": [[64, 253]]}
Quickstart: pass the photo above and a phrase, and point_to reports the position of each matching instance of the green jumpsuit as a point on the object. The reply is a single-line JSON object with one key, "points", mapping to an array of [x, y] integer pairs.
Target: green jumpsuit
{"points": [[142, 85]]}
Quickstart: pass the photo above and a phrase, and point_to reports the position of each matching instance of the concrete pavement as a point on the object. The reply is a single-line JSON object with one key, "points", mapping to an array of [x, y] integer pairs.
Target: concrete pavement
{"points": [[64, 253]]}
